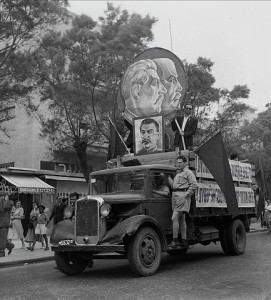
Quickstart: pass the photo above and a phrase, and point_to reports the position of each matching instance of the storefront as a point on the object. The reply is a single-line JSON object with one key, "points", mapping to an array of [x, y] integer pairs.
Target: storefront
{"points": [[28, 189], [65, 185]]}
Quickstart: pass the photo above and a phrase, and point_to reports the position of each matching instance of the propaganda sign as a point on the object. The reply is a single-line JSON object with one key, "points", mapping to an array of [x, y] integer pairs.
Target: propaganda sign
{"points": [[154, 83], [149, 135]]}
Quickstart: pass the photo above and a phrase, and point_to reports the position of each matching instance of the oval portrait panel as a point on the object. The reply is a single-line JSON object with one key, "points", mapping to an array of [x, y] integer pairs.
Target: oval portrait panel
{"points": [[154, 83]]}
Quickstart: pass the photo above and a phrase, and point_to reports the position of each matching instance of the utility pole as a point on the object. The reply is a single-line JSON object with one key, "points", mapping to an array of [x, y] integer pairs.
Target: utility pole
{"points": [[170, 35]]}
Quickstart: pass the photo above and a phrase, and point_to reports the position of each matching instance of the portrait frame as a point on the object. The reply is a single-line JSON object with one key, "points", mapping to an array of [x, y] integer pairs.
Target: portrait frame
{"points": [[154, 53], [138, 148]]}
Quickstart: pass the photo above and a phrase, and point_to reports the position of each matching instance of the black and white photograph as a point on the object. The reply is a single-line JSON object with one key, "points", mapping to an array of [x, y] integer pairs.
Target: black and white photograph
{"points": [[135, 150]]}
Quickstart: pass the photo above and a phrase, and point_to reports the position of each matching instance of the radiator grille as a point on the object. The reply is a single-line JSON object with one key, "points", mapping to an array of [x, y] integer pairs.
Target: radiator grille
{"points": [[87, 218]]}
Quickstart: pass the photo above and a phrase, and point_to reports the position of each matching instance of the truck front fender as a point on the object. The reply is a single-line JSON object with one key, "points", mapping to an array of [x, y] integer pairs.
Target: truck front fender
{"points": [[63, 230], [129, 227]]}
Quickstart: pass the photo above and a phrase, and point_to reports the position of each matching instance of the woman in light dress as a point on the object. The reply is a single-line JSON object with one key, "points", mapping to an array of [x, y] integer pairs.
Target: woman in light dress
{"points": [[30, 236], [10, 230], [16, 218]]}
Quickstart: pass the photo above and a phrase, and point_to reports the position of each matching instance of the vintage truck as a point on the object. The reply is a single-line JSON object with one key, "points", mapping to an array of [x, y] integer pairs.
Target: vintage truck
{"points": [[122, 215]]}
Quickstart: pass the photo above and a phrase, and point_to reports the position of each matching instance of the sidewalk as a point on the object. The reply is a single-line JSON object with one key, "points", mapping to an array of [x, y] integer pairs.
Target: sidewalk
{"points": [[21, 257], [255, 226]]}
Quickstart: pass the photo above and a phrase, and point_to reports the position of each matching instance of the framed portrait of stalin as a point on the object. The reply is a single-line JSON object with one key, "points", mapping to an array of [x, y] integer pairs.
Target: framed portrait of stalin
{"points": [[149, 135]]}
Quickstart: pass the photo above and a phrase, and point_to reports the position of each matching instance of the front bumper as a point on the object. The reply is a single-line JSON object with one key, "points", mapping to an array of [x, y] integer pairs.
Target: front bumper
{"points": [[89, 248]]}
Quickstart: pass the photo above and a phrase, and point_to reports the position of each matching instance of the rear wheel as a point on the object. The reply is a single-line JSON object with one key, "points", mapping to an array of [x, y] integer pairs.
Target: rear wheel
{"points": [[70, 263], [144, 252], [236, 237], [233, 237], [223, 236]]}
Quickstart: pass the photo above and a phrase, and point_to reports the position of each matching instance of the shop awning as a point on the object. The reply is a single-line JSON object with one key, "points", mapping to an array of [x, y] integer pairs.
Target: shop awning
{"points": [[29, 184], [63, 178]]}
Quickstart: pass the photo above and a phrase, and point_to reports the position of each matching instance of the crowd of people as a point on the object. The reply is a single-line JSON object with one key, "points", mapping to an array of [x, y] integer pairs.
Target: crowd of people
{"points": [[11, 216]]}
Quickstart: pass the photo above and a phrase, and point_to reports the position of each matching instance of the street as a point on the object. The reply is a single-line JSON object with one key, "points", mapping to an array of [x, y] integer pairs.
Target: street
{"points": [[204, 273]]}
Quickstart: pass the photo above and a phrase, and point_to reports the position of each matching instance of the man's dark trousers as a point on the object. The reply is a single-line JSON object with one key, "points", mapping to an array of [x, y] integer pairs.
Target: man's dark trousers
{"points": [[4, 242]]}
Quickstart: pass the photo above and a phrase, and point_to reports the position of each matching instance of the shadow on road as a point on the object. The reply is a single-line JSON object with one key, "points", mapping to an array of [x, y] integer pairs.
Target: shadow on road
{"points": [[120, 269]]}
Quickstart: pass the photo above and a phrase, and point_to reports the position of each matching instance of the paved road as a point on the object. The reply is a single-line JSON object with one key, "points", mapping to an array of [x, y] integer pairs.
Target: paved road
{"points": [[204, 273]]}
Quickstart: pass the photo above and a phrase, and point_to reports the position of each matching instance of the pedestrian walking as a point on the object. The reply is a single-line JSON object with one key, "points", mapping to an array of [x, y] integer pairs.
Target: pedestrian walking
{"points": [[268, 217], [30, 236], [10, 230], [17, 227], [40, 229], [5, 210], [58, 213]]}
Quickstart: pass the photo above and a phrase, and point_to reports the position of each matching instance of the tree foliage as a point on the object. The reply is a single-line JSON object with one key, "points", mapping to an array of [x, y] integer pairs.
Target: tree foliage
{"points": [[232, 110], [204, 96], [20, 22], [255, 141], [229, 116], [78, 72], [256, 134], [201, 91]]}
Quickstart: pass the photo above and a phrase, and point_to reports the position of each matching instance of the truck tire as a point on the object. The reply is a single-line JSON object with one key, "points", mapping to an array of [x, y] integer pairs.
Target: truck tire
{"points": [[70, 263], [236, 237], [223, 236], [144, 252]]}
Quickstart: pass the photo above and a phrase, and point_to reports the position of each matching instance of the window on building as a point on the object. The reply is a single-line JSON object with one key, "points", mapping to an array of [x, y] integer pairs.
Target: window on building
{"points": [[47, 165], [6, 165], [61, 167]]}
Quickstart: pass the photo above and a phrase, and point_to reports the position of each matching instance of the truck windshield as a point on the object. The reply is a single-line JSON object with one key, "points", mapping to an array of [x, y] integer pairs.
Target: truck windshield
{"points": [[117, 183]]}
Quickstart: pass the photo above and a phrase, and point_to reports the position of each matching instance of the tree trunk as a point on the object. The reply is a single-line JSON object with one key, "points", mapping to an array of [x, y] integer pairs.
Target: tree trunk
{"points": [[81, 151]]}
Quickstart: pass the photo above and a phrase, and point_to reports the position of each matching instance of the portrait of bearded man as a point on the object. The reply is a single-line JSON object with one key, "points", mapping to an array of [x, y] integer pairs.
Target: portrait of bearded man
{"points": [[169, 77]]}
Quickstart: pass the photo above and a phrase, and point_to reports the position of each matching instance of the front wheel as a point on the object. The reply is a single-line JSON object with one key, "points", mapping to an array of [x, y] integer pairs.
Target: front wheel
{"points": [[144, 252], [70, 263]]}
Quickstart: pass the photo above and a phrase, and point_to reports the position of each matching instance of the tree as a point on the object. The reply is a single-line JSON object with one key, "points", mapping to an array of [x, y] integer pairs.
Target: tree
{"points": [[121, 37], [229, 118], [203, 95], [20, 21], [231, 109], [201, 91], [78, 73], [252, 142], [255, 141]]}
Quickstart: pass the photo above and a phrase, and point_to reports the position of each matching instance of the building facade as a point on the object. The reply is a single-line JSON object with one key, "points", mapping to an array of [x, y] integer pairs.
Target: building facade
{"points": [[39, 186], [30, 171]]}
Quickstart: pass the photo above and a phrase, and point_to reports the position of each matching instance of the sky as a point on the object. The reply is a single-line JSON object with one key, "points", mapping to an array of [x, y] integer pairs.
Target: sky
{"points": [[232, 34]]}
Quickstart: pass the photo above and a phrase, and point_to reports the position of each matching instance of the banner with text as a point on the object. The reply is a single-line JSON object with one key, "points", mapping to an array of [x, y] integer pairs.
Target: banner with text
{"points": [[210, 195], [240, 171]]}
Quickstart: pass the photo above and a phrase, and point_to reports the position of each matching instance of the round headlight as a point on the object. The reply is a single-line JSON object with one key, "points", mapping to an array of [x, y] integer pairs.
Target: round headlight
{"points": [[68, 211], [105, 210]]}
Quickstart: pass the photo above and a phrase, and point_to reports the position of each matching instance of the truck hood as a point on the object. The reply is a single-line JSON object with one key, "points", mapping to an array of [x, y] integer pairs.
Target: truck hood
{"points": [[123, 197]]}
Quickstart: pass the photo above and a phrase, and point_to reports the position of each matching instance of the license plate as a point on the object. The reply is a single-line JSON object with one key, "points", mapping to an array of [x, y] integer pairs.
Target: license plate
{"points": [[66, 242]]}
